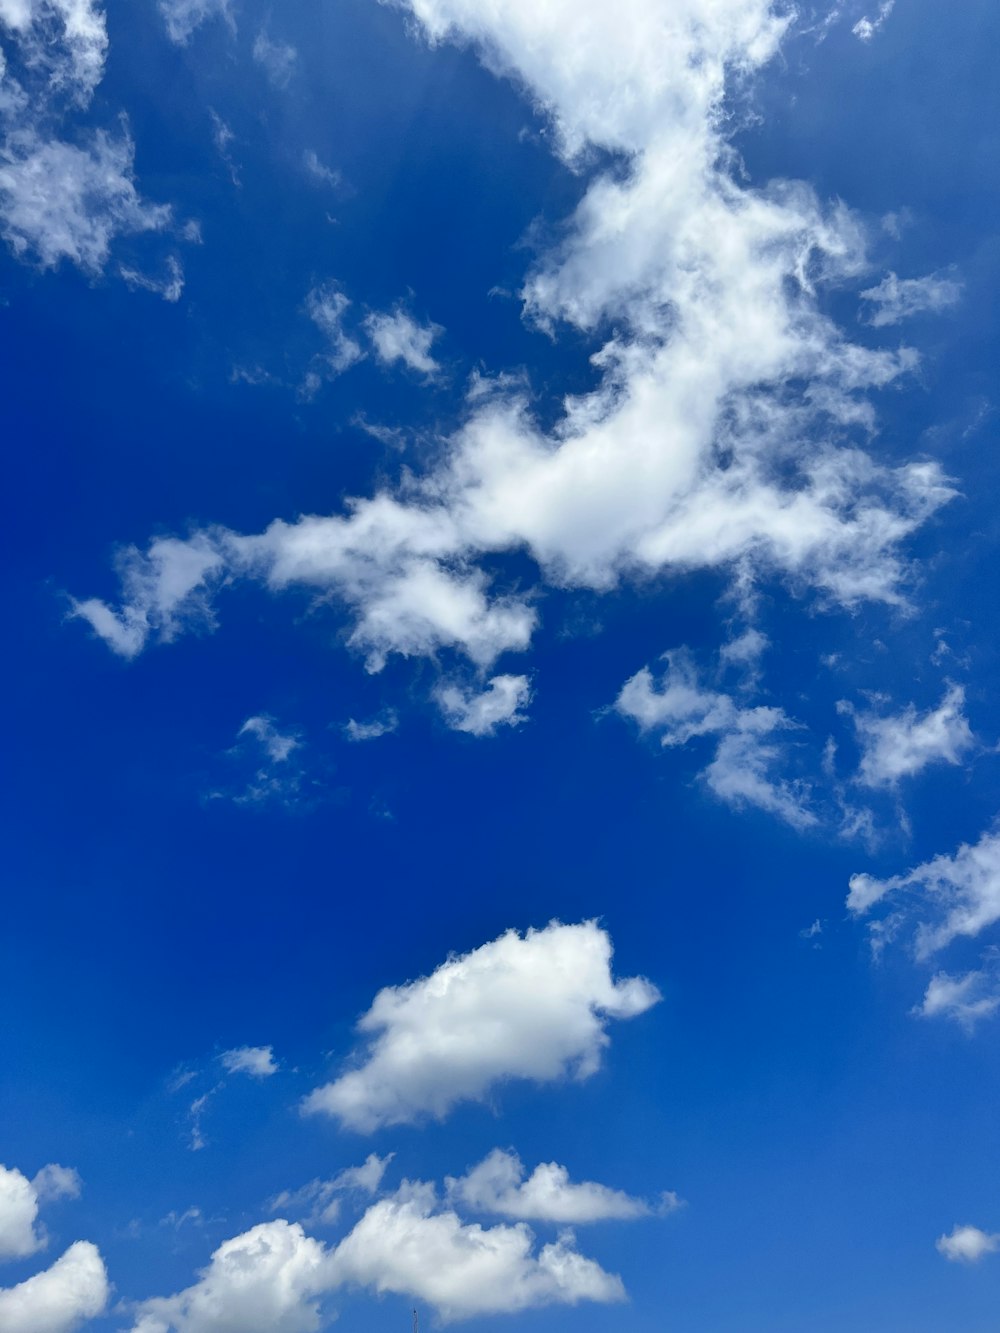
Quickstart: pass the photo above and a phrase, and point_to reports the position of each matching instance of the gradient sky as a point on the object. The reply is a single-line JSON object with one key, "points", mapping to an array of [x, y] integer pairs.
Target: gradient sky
{"points": [[502, 740]]}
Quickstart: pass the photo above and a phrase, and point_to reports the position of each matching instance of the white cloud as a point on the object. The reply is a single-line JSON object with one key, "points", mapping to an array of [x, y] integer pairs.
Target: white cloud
{"points": [[966, 1000], [531, 1007], [273, 1278], [498, 1184], [276, 59], [901, 745], [59, 1299], [58, 201], [277, 745], [19, 1202], [404, 1245], [257, 1061], [480, 713], [896, 299], [715, 438], [170, 286], [183, 16], [744, 768], [278, 776], [959, 893], [373, 729], [866, 28], [396, 336], [967, 1244], [326, 306], [321, 1198], [267, 1280]]}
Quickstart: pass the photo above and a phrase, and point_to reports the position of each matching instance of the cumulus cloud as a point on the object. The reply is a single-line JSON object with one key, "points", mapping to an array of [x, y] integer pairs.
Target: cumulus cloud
{"points": [[257, 1061], [182, 17], [719, 433], [405, 1245], [499, 1184], [273, 1278], [901, 745], [953, 896], [320, 1199], [20, 1236], [967, 1244], [481, 712], [268, 1280], [532, 1006], [896, 299], [61, 1298], [746, 767], [966, 1000], [396, 336]]}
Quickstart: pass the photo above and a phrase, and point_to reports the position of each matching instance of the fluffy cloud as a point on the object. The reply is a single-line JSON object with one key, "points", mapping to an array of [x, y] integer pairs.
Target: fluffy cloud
{"points": [[257, 1061], [396, 336], [966, 999], [958, 895], [901, 745], [530, 1007], [480, 713], [716, 436], [373, 729], [59, 1299], [895, 299], [273, 1278], [183, 16], [499, 1185], [19, 1203], [967, 1244], [746, 766], [404, 1245], [326, 306], [268, 1280]]}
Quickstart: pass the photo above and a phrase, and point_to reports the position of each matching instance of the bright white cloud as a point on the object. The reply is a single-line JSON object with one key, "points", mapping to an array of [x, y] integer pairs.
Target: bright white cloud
{"points": [[896, 299], [405, 1245], [59, 201], [396, 336], [183, 16], [715, 438], [902, 744], [268, 1280], [61, 1298], [65, 41], [20, 1198], [257, 1061], [530, 1007], [967, 1244], [277, 745], [321, 1198], [746, 767], [481, 712], [273, 1278], [499, 1184], [276, 59], [326, 306], [957, 896], [966, 1000]]}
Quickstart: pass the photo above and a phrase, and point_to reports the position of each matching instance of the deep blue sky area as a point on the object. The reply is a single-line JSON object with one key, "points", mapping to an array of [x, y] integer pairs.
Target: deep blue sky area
{"points": [[177, 892]]}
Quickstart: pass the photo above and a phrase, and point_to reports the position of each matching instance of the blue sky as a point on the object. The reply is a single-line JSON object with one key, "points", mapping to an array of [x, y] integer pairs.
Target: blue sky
{"points": [[502, 746]]}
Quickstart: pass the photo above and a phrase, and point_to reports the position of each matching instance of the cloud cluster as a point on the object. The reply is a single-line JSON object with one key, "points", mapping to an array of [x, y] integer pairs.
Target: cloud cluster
{"points": [[64, 198], [719, 432], [71, 1290], [273, 1278], [967, 1244], [896, 299], [257, 1061], [901, 745], [532, 1006], [480, 712]]}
